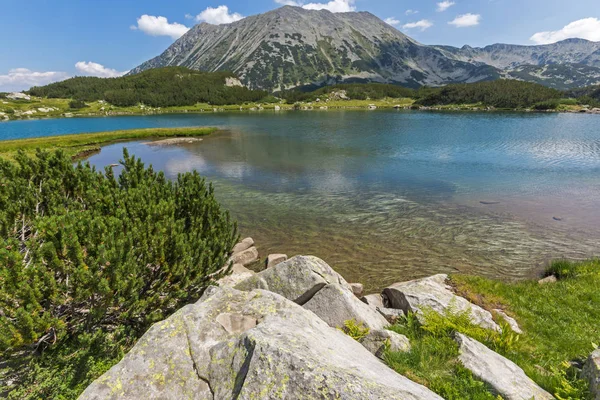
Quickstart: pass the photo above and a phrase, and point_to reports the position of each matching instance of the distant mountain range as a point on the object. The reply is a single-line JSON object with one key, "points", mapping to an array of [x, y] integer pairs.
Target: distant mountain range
{"points": [[291, 46]]}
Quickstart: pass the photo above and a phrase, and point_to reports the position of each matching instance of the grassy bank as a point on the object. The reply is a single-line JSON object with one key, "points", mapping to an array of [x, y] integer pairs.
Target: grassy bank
{"points": [[559, 321], [86, 143]]}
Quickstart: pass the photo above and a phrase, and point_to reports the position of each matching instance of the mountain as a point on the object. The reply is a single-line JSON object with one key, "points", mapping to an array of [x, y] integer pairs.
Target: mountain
{"points": [[510, 56], [291, 46]]}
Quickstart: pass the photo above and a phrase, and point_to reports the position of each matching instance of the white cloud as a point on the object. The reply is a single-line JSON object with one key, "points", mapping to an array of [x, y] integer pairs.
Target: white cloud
{"points": [[218, 16], [89, 68], [422, 25], [22, 78], [410, 12], [444, 5], [587, 28], [335, 6], [391, 21], [160, 26], [288, 3], [466, 20]]}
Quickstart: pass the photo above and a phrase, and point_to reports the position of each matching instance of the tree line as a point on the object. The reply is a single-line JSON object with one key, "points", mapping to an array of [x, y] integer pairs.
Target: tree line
{"points": [[160, 87]]}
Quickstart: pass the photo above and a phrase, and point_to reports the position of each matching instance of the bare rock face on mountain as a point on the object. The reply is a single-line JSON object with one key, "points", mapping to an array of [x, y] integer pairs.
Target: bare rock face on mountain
{"points": [[250, 345], [291, 46]]}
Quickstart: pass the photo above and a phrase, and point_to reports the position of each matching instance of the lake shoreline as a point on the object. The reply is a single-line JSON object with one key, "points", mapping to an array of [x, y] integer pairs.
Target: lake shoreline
{"points": [[371, 106]]}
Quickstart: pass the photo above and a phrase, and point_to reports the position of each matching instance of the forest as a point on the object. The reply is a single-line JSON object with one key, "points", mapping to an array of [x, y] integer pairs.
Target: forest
{"points": [[160, 87]]}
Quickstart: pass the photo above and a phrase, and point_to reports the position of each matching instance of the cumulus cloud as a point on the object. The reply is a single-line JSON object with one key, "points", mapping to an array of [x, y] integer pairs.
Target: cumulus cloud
{"points": [[391, 21], [288, 3], [422, 25], [335, 6], [466, 20], [159, 26], [89, 68], [22, 78], [587, 28], [218, 16], [410, 12], [444, 5]]}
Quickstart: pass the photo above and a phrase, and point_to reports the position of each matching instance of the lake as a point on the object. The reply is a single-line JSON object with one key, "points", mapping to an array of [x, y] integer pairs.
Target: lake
{"points": [[385, 196]]}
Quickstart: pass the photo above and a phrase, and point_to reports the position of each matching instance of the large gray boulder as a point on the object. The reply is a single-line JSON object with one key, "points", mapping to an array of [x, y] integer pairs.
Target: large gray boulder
{"points": [[297, 279], [433, 293], [245, 257], [504, 376], [238, 274], [250, 345], [591, 372], [336, 304]]}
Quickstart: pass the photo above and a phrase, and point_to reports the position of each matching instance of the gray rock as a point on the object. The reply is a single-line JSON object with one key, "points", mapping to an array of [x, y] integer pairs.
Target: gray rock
{"points": [[335, 305], [392, 315], [213, 350], [245, 244], [357, 289], [548, 279], [246, 257], [274, 259], [504, 376], [378, 340], [591, 373], [510, 321], [238, 274], [297, 279], [433, 293], [374, 300]]}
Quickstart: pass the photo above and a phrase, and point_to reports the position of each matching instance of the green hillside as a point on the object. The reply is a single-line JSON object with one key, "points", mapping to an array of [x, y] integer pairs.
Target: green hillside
{"points": [[161, 87]]}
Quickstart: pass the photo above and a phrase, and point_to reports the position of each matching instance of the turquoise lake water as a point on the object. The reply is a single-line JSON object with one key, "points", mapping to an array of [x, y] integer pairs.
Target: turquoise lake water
{"points": [[389, 195]]}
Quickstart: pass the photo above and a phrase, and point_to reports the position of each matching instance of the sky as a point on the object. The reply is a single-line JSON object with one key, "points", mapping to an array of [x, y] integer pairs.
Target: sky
{"points": [[51, 40]]}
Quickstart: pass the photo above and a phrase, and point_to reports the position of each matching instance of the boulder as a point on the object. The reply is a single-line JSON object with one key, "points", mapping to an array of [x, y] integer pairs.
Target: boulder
{"points": [[335, 305], [504, 376], [591, 373], [510, 321], [378, 340], [246, 345], [274, 259], [245, 257], [357, 289], [374, 300], [245, 244], [297, 279], [392, 315], [433, 293], [238, 274], [547, 280]]}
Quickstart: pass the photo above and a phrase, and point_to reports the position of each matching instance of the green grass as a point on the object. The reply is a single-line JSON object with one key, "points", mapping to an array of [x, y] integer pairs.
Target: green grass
{"points": [[80, 144], [559, 320]]}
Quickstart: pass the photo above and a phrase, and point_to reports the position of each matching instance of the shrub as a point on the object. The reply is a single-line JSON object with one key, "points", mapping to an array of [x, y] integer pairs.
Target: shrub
{"points": [[89, 253], [77, 104], [562, 269], [356, 330]]}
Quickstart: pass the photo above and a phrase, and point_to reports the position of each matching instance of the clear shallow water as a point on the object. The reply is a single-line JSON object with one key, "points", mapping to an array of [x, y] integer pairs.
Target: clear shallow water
{"points": [[385, 196]]}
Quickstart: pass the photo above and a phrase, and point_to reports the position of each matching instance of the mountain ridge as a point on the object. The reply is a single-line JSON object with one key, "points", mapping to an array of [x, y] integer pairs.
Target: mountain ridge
{"points": [[290, 46]]}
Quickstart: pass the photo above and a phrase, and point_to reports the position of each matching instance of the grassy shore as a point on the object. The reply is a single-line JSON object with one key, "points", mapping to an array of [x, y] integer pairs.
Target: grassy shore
{"points": [[78, 145], [560, 329]]}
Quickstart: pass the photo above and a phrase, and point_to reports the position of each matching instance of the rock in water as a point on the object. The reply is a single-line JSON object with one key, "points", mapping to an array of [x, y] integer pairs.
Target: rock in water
{"points": [[274, 259], [432, 292], [246, 257], [504, 376], [591, 372], [335, 305], [245, 244], [250, 345], [297, 279]]}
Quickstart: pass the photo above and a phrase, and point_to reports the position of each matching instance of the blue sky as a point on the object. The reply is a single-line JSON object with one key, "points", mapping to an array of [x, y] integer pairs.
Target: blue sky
{"points": [[47, 40]]}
